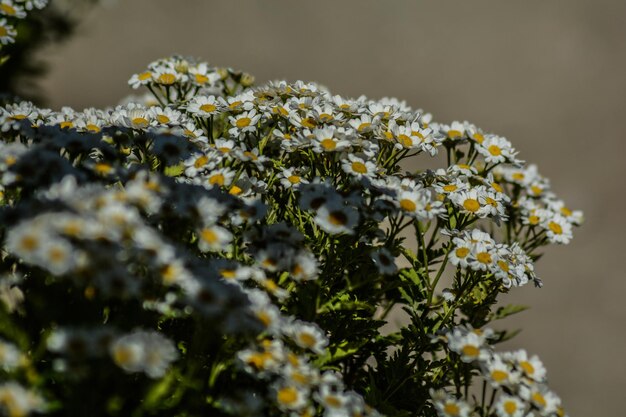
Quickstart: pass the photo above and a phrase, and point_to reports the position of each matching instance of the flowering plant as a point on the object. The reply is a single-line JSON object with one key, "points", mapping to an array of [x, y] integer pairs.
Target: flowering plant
{"points": [[215, 248]]}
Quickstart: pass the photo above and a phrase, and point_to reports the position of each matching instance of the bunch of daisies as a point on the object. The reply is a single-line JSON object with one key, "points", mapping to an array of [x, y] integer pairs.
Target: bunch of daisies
{"points": [[11, 11], [215, 248]]}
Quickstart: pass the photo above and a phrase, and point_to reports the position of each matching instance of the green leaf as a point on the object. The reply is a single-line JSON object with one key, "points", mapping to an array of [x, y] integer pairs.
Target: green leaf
{"points": [[508, 310]]}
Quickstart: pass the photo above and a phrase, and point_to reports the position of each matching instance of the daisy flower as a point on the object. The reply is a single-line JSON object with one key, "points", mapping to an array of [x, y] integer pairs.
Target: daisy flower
{"points": [[291, 397], [558, 229], [384, 261], [144, 351], [204, 106], [214, 238], [329, 139], [510, 406], [7, 32], [496, 149], [468, 201], [334, 218], [9, 8], [244, 122], [468, 344], [359, 167], [289, 178], [17, 401], [449, 406], [530, 366]]}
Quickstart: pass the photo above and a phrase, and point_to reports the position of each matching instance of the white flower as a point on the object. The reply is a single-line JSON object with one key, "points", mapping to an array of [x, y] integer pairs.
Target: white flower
{"points": [[509, 406], [496, 149], [17, 401], [307, 335], [359, 167], [214, 238], [449, 406], [204, 106], [144, 351], [335, 218], [469, 344], [244, 122]]}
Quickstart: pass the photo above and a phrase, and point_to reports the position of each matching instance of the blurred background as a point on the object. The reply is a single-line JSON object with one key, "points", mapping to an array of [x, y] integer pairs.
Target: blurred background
{"points": [[548, 75]]}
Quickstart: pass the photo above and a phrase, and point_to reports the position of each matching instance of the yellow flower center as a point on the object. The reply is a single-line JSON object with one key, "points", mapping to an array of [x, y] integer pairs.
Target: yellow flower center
{"points": [[407, 205], [484, 258], [478, 137], [123, 355], [287, 395], [449, 188], [243, 122], [332, 401], [325, 117], [461, 252], [510, 407], [264, 318], [528, 368], [566, 212], [217, 179], [495, 150], [210, 108], [228, 273], [497, 187], [163, 119], [471, 205], [363, 126], [201, 79], [294, 179], [66, 125], [144, 76], [167, 78], [499, 375], [405, 141], [503, 266], [3, 31], [518, 176], [338, 218], [209, 236], [359, 167], [328, 144], [308, 122], [102, 168], [201, 161], [92, 128], [451, 409], [454, 134], [8, 9], [29, 243], [556, 228], [140, 122], [471, 351], [539, 399], [57, 255], [307, 339], [235, 190], [532, 219]]}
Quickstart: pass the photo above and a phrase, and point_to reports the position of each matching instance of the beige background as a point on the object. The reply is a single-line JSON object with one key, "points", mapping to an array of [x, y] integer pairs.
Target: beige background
{"points": [[548, 74]]}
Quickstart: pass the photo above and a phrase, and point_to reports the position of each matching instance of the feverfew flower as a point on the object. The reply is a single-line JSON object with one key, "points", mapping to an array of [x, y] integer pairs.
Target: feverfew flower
{"points": [[307, 335], [449, 406], [144, 351], [17, 401], [469, 344]]}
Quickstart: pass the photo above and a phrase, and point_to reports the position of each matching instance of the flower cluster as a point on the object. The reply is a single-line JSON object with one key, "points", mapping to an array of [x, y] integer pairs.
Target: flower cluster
{"points": [[10, 12], [217, 248], [517, 381]]}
